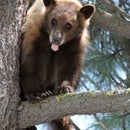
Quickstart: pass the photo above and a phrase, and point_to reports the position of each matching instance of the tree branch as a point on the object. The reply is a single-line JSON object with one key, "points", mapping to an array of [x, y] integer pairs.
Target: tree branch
{"points": [[111, 23], [100, 122], [71, 104], [109, 4]]}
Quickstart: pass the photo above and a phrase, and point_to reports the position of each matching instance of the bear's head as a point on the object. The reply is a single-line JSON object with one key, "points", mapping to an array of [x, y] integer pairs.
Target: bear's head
{"points": [[65, 20]]}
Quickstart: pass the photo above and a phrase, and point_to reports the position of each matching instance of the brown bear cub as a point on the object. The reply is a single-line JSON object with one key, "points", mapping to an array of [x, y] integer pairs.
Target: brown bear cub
{"points": [[54, 38]]}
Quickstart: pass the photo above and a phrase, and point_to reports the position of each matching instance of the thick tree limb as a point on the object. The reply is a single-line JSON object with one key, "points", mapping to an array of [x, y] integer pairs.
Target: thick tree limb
{"points": [[111, 23], [71, 104], [110, 5]]}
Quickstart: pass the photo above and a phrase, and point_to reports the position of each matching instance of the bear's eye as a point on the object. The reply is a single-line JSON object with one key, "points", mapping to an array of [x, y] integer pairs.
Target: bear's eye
{"points": [[54, 22], [68, 26]]}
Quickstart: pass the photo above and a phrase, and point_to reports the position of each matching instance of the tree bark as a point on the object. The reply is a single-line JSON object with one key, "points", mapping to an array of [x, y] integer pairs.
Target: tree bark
{"points": [[11, 16], [70, 104], [111, 23]]}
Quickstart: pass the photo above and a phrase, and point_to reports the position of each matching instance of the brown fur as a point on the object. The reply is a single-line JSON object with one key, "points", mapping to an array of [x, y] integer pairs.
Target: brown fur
{"points": [[43, 69]]}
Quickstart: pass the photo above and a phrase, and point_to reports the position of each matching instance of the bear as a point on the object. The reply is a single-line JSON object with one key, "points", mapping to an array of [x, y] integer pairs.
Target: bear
{"points": [[54, 37]]}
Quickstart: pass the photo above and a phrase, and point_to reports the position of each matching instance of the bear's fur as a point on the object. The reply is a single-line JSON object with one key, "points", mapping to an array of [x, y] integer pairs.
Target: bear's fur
{"points": [[53, 42]]}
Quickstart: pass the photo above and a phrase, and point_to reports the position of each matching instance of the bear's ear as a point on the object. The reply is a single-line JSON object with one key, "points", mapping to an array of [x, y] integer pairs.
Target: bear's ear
{"points": [[48, 2], [87, 10]]}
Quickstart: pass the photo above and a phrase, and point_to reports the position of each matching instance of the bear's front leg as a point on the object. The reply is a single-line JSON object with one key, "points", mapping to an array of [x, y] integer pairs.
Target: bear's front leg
{"points": [[64, 87], [67, 79], [33, 88]]}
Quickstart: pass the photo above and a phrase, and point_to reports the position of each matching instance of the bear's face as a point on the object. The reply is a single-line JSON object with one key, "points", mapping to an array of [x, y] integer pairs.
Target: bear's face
{"points": [[62, 24], [65, 21]]}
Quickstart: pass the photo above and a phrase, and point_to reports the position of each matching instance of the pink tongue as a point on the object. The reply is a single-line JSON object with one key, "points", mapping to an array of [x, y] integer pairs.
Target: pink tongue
{"points": [[54, 47]]}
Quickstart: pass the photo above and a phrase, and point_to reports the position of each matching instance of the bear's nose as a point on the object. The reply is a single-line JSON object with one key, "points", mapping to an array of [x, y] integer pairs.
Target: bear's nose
{"points": [[56, 37], [56, 40]]}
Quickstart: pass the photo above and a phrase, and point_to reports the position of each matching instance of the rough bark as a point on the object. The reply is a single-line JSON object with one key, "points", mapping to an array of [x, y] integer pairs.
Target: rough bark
{"points": [[71, 104], [11, 15], [111, 23]]}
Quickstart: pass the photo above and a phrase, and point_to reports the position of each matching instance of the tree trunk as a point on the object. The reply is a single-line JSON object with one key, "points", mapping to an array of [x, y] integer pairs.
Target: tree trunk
{"points": [[11, 15]]}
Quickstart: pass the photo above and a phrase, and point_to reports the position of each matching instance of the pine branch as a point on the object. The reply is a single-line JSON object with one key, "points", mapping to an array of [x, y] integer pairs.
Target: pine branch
{"points": [[109, 22], [71, 104], [100, 122]]}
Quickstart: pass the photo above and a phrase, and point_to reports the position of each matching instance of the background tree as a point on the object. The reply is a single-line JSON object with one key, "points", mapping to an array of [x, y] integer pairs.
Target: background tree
{"points": [[107, 67]]}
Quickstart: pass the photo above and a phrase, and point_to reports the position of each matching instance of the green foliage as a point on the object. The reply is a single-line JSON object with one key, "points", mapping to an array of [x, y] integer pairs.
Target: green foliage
{"points": [[110, 121], [107, 67]]}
